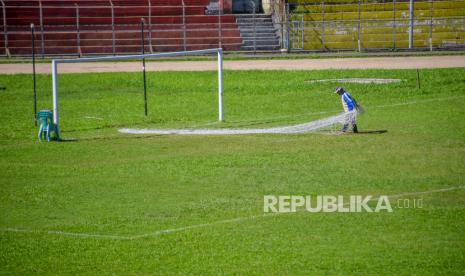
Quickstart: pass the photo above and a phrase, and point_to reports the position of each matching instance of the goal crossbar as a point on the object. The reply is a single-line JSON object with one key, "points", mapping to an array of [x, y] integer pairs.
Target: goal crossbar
{"points": [[218, 51]]}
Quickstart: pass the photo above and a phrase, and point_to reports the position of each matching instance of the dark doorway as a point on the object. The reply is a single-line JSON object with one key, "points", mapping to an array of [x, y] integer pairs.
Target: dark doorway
{"points": [[246, 6]]}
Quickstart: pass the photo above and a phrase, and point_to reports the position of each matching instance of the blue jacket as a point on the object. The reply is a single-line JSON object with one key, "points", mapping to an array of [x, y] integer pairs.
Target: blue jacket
{"points": [[348, 103]]}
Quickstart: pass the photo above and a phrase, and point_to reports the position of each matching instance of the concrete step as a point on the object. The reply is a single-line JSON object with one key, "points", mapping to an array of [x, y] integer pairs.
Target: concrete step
{"points": [[261, 48], [258, 35], [274, 39], [257, 30], [260, 42], [256, 25], [256, 22], [248, 15], [251, 20]]}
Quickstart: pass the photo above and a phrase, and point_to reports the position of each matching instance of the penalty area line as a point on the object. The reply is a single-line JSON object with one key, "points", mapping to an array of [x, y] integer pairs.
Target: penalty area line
{"points": [[63, 233], [93, 117], [157, 233], [195, 226], [332, 111]]}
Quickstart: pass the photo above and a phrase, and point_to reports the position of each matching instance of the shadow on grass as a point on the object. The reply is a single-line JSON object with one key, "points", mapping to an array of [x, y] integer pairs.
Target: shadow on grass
{"points": [[92, 128], [373, 131], [68, 140]]}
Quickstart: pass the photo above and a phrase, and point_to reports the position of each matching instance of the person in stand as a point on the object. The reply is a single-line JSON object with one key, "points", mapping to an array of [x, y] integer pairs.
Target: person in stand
{"points": [[350, 107]]}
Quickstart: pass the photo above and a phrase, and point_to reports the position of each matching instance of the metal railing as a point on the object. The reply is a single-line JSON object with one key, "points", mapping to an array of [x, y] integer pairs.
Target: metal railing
{"points": [[220, 28], [78, 31], [5, 30], [254, 25], [317, 29], [113, 34]]}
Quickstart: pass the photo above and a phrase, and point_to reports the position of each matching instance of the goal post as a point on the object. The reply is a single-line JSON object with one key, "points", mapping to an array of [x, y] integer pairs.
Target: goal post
{"points": [[218, 51]]}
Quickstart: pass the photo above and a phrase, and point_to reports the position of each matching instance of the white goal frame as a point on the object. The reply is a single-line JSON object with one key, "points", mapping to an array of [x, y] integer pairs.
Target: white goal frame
{"points": [[218, 51]]}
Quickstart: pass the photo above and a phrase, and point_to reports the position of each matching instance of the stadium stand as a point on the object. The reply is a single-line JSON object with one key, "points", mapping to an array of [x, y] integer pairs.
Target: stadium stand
{"points": [[86, 27], [89, 27], [333, 25]]}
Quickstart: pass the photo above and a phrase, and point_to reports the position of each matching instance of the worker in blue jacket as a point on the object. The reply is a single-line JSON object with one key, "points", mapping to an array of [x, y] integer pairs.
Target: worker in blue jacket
{"points": [[350, 107]]}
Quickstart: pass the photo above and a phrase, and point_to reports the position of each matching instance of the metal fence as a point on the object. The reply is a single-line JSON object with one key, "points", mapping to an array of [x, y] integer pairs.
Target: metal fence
{"points": [[375, 26], [109, 27], [77, 29]]}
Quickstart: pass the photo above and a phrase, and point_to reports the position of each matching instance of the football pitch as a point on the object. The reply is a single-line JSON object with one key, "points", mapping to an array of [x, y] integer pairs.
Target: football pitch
{"points": [[104, 202]]}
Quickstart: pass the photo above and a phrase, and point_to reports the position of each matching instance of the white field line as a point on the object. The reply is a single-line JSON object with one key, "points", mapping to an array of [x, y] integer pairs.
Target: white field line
{"points": [[203, 225], [63, 233], [332, 111], [92, 117], [357, 80], [422, 101]]}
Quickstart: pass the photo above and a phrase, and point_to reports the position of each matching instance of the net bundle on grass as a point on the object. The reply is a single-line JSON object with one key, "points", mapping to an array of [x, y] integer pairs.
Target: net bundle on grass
{"points": [[326, 124]]}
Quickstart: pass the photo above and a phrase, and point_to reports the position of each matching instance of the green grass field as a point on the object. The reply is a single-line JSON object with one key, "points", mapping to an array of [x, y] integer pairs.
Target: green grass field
{"points": [[102, 202]]}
